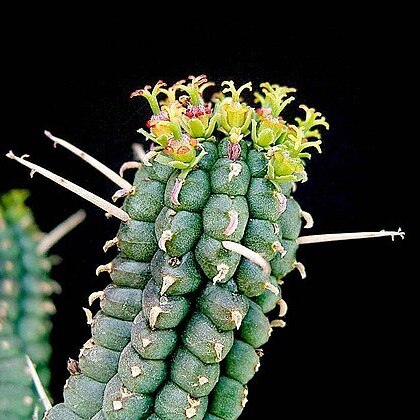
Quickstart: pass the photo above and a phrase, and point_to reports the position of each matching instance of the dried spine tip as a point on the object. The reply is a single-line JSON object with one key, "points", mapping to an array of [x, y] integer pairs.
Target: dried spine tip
{"points": [[128, 165], [233, 222], [109, 173], [167, 282], [165, 237], [278, 247], [104, 267], [236, 318], [155, 311], [138, 151], [126, 393], [174, 261], [260, 352], [110, 243], [278, 323], [89, 316], [48, 307], [117, 405], [123, 192], [218, 348], [202, 380], [235, 170], [282, 201], [309, 221], [73, 367], [38, 384], [191, 410], [135, 371], [301, 268], [145, 342], [51, 238], [222, 270], [330, 237], [148, 156], [245, 398], [272, 288], [179, 182], [95, 295], [87, 346], [87, 195], [248, 253], [282, 308]]}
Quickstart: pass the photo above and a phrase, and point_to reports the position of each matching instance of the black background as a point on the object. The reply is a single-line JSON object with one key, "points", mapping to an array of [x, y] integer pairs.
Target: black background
{"points": [[347, 346]]}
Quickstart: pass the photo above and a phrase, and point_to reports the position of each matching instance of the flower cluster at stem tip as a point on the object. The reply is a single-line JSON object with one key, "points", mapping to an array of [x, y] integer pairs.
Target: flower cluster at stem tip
{"points": [[182, 120]]}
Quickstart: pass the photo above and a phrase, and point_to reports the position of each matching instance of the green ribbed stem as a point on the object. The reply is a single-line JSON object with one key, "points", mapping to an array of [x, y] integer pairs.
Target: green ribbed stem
{"points": [[180, 302], [25, 308]]}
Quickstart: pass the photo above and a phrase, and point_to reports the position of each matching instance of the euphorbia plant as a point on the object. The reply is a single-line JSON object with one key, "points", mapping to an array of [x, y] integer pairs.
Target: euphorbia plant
{"points": [[209, 231]]}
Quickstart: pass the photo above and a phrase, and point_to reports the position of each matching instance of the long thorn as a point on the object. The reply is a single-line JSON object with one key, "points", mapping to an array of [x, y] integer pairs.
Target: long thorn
{"points": [[248, 253], [330, 237], [51, 238], [138, 151], [87, 195], [129, 165], [109, 173], [38, 384]]}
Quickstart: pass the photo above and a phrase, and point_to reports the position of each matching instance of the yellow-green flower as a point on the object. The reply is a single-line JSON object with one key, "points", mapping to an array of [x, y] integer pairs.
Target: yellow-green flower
{"points": [[312, 119], [284, 164], [151, 96], [274, 99], [234, 114], [183, 150], [267, 131], [158, 124], [283, 167], [198, 122]]}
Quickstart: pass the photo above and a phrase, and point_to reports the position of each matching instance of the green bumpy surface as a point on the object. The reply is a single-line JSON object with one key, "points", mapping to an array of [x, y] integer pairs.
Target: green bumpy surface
{"points": [[165, 344], [180, 329], [25, 308]]}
